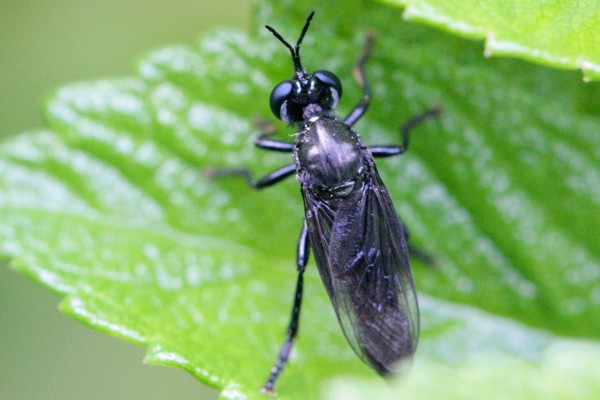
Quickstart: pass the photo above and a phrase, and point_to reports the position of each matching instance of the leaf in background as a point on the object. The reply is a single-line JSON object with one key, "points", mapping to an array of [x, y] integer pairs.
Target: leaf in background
{"points": [[561, 34], [110, 207], [563, 370], [490, 357]]}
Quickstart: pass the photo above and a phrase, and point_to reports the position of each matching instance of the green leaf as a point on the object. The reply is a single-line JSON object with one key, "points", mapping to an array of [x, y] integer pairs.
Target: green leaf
{"points": [[561, 34], [564, 371], [110, 206]]}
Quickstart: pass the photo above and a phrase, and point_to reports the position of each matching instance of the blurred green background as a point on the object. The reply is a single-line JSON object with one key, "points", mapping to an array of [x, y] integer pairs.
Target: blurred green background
{"points": [[45, 44]]}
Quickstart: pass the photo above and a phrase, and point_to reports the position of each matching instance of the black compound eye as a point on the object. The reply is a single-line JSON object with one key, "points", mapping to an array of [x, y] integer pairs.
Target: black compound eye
{"points": [[329, 79], [279, 95]]}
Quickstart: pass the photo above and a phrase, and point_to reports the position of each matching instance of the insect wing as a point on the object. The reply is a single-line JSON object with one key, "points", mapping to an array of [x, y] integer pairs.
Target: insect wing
{"points": [[362, 257]]}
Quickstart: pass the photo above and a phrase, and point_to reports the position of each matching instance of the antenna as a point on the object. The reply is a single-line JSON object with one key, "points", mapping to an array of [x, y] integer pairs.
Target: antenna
{"points": [[296, 49]]}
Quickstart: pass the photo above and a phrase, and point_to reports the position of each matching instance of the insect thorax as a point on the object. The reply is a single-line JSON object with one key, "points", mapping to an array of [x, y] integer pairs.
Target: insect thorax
{"points": [[329, 156]]}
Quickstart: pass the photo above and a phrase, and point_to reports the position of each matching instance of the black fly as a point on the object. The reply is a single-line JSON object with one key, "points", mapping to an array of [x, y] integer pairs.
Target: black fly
{"points": [[350, 223]]}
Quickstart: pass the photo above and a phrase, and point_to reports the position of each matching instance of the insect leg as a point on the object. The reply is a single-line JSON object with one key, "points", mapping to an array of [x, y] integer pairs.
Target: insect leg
{"points": [[267, 180], [264, 142], [392, 150], [303, 250], [422, 255], [301, 260], [417, 252], [361, 77]]}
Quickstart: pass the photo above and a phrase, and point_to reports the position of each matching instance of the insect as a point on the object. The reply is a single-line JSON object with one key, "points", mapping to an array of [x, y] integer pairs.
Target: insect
{"points": [[350, 224]]}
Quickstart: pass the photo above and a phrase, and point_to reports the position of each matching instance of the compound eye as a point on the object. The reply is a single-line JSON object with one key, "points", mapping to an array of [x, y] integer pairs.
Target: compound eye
{"points": [[279, 96], [330, 79]]}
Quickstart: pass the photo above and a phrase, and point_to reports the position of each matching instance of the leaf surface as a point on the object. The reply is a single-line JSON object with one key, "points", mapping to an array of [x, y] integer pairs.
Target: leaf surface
{"points": [[561, 34], [109, 205]]}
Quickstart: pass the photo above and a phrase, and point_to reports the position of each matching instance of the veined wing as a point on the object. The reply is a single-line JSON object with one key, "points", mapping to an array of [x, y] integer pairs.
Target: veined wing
{"points": [[362, 256]]}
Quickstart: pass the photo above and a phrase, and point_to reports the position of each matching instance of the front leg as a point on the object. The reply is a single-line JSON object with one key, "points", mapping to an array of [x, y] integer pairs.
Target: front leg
{"points": [[361, 77], [266, 181], [394, 150], [264, 141]]}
